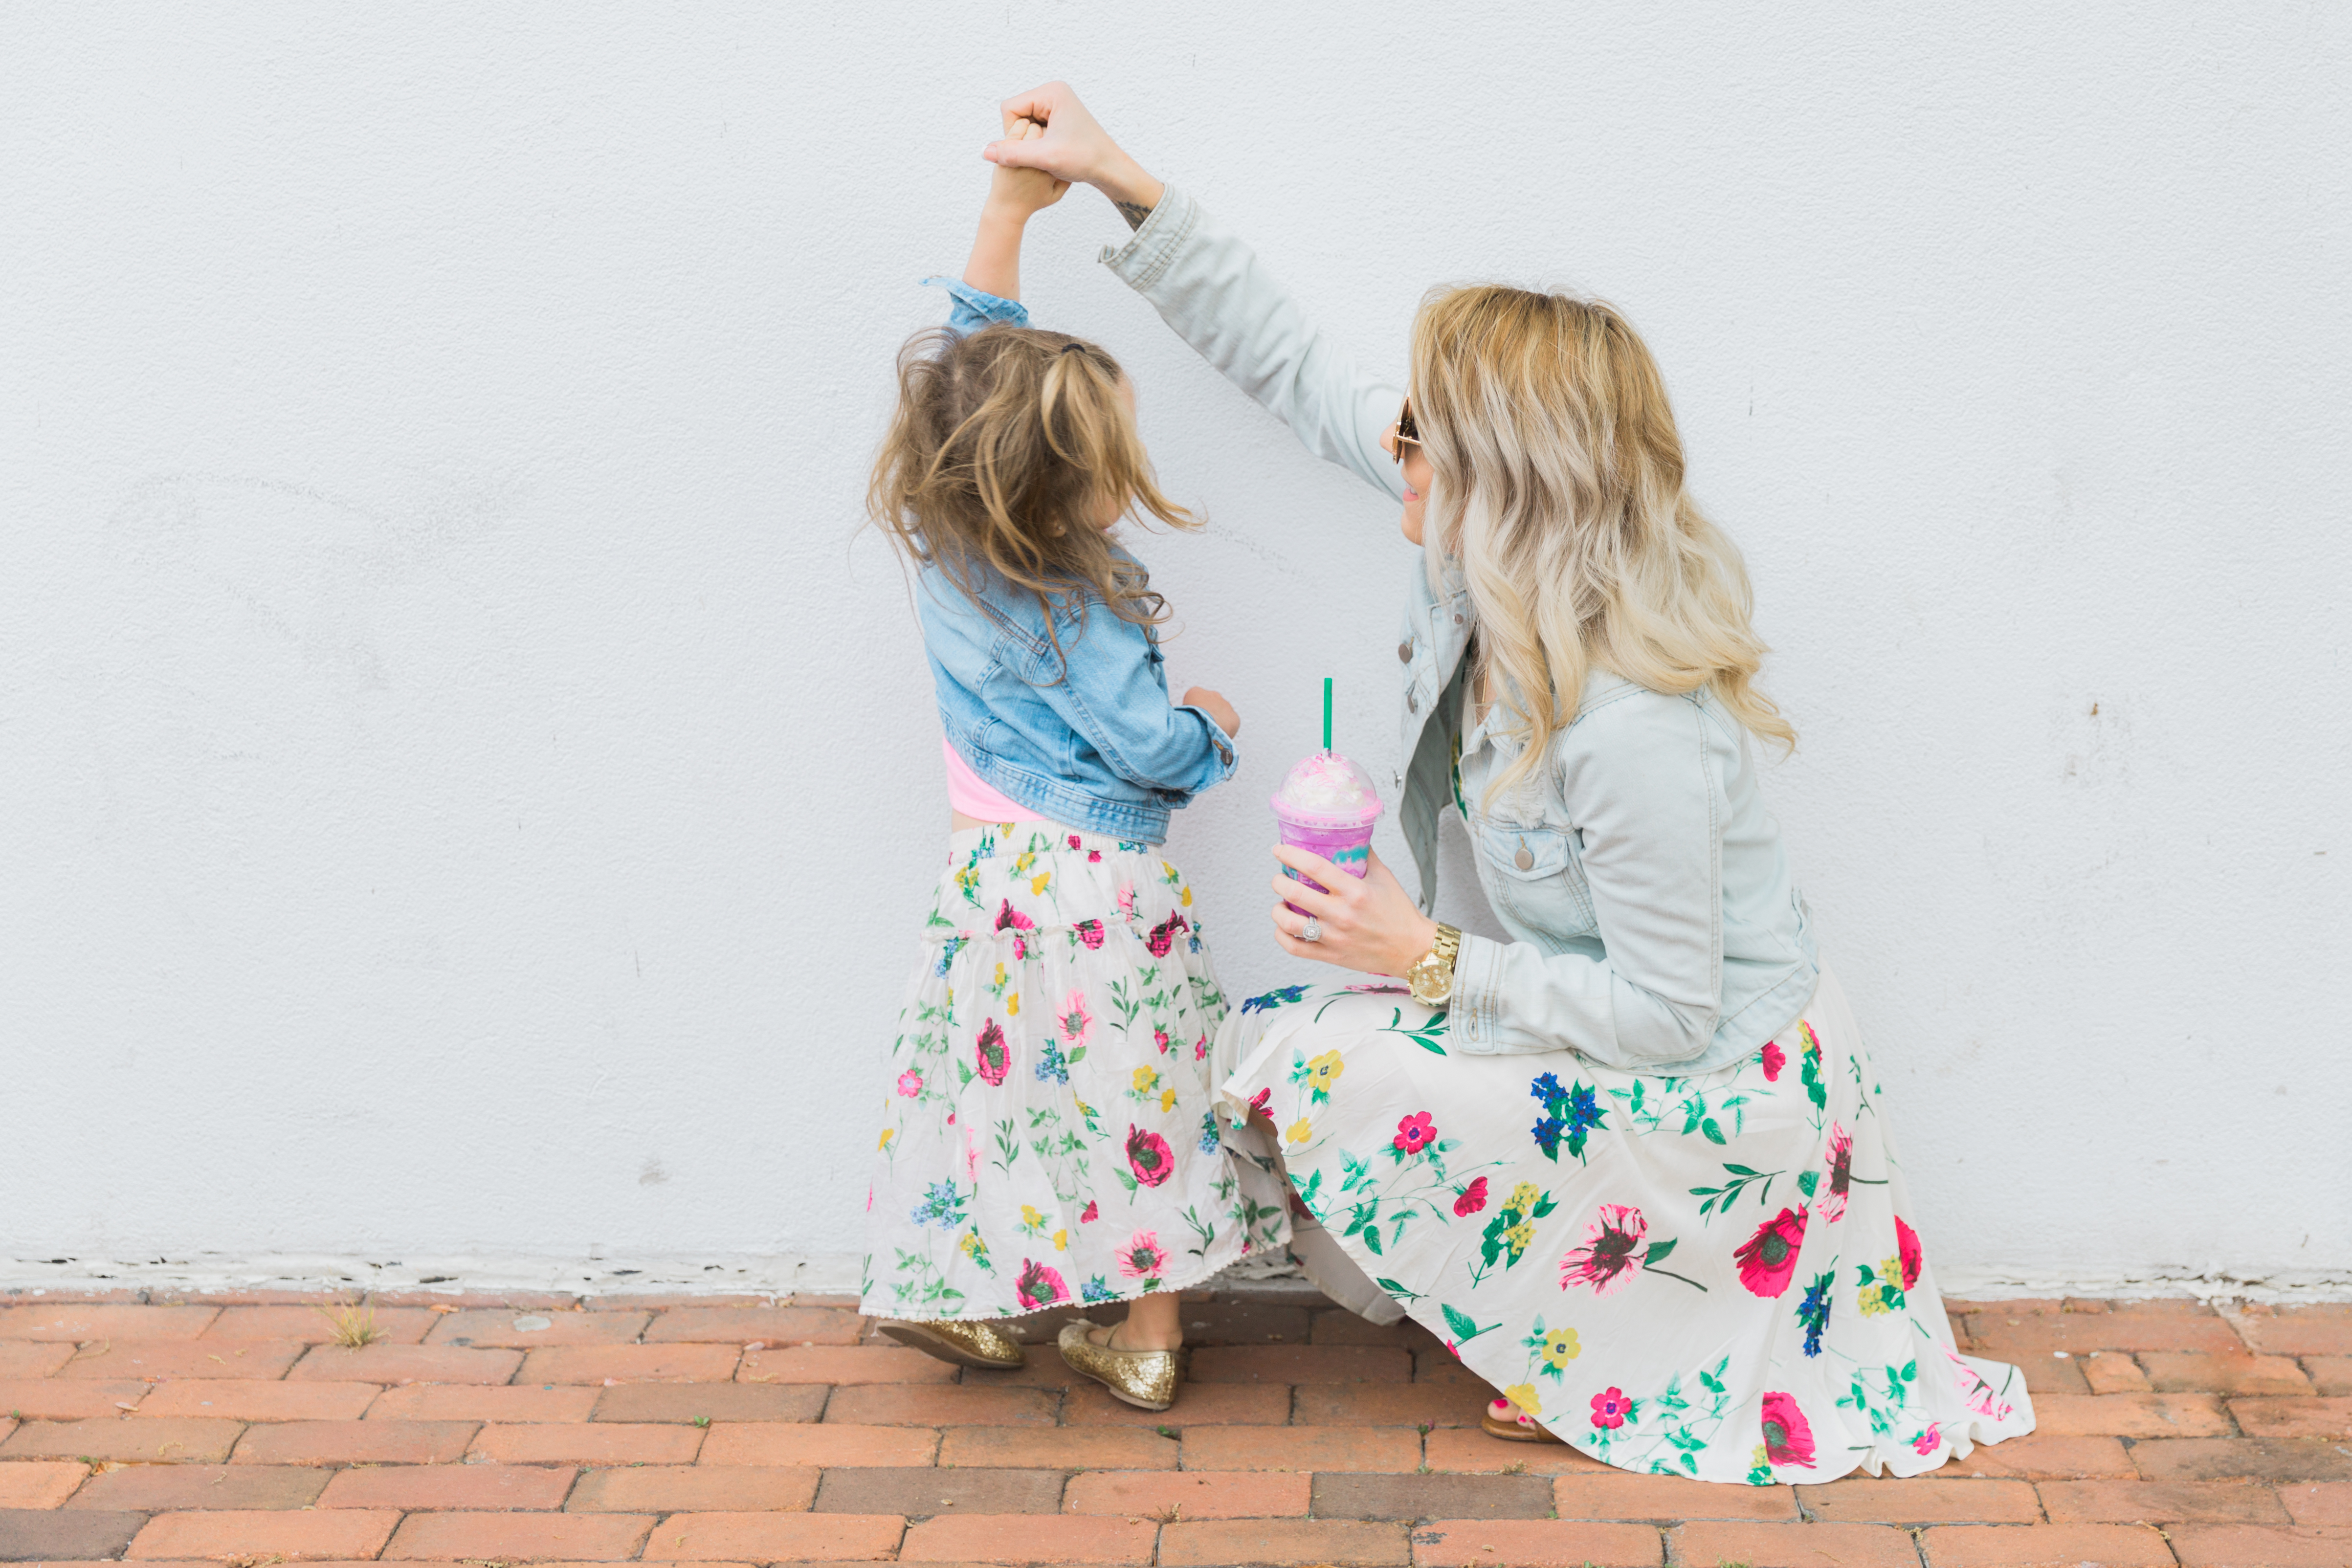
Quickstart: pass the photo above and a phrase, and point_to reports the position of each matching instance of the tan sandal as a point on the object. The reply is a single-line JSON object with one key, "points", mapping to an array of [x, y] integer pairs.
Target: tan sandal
{"points": [[962, 1344], [1146, 1379], [1506, 1420]]}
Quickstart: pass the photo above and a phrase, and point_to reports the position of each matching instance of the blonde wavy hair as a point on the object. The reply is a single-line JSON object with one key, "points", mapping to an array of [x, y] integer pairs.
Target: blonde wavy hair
{"points": [[1006, 447], [1557, 484]]}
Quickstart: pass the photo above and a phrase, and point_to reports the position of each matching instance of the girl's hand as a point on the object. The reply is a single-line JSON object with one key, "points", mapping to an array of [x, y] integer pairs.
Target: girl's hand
{"points": [[1075, 148], [1369, 922], [1017, 192], [1214, 704]]}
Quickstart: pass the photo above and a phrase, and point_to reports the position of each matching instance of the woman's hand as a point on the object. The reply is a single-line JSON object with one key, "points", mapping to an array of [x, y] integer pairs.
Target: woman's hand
{"points": [[1075, 148], [1017, 192], [1368, 924]]}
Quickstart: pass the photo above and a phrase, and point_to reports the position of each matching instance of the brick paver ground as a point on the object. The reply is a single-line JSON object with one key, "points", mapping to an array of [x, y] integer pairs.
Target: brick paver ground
{"points": [[543, 1429]]}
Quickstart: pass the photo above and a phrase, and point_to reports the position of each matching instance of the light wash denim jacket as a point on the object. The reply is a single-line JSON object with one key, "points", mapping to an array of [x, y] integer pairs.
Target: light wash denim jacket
{"points": [[1656, 926], [1085, 735]]}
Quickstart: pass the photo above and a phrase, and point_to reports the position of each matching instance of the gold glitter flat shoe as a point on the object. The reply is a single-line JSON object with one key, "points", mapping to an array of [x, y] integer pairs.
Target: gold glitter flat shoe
{"points": [[1146, 1379], [965, 1344]]}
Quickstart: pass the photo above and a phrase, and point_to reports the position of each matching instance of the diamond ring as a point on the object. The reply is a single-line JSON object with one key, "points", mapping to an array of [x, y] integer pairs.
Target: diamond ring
{"points": [[1312, 931]]}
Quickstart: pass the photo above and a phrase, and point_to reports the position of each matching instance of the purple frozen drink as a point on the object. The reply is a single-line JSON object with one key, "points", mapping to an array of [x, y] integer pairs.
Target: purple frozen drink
{"points": [[1327, 804]]}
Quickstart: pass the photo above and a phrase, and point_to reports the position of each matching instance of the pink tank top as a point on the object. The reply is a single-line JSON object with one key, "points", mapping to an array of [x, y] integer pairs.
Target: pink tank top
{"points": [[969, 793]]}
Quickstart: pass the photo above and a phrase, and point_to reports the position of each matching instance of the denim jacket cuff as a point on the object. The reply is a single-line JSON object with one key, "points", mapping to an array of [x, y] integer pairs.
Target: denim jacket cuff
{"points": [[1228, 755], [1472, 1011], [1153, 248], [977, 307]]}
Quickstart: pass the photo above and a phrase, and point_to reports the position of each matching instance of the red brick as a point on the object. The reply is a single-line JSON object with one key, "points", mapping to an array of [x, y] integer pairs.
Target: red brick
{"points": [[1197, 1404], [1794, 1545], [2040, 1456], [1533, 1543], [695, 1488], [2055, 1375], [925, 1490], [656, 1301], [2234, 1458], [1302, 1364], [2171, 1371], [2330, 1374], [1246, 1322], [940, 1404], [1190, 1494], [153, 1359], [1309, 1449], [40, 1484], [2329, 1419], [2046, 1546], [477, 1402], [1390, 1405], [2114, 1371], [442, 1487], [2322, 1330], [630, 1364], [2321, 1503], [1339, 1542], [1456, 1449], [842, 1365], [354, 1443], [1669, 1498], [461, 1300], [1029, 1538], [1057, 1449], [1922, 1500], [261, 1401], [2162, 1503], [579, 1537], [406, 1364], [65, 1537], [125, 1437], [2249, 1545], [817, 1298], [708, 1402], [59, 1399], [769, 1325], [2132, 1415], [1340, 1326], [31, 1358], [68, 1321], [494, 1327], [174, 1489], [2032, 1339], [830, 1445], [314, 1325], [773, 1537], [258, 1534], [589, 1443]]}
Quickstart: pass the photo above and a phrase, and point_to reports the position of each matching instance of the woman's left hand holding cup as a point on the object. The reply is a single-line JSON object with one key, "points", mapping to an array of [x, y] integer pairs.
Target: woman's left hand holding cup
{"points": [[1368, 924]]}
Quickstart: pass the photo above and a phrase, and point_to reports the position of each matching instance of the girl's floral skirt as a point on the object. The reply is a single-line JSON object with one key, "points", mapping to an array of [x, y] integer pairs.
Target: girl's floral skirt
{"points": [[1046, 1131], [1713, 1275]]}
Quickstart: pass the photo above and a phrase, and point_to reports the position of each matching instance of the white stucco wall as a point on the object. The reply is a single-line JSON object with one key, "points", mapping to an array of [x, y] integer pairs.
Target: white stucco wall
{"points": [[464, 793]]}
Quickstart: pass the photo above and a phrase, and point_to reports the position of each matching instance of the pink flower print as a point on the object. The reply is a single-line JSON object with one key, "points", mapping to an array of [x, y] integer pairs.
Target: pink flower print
{"points": [[1075, 1022], [1149, 1157], [1126, 899], [994, 1059], [1833, 1204], [1093, 1213], [1976, 1392], [1163, 935], [1415, 1133], [1010, 918], [1788, 1435], [1091, 932], [1076, 842], [1768, 1258], [910, 1083], [1094, 857], [1906, 1246], [1142, 1258], [1019, 946], [1039, 1286], [1260, 1100], [971, 1158], [1201, 1049], [1926, 1442], [1473, 1199], [1606, 1261], [1774, 1060], [1159, 1038], [1611, 1408]]}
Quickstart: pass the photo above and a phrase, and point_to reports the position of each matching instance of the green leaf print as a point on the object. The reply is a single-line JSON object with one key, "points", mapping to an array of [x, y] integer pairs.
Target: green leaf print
{"points": [[1808, 1182], [1465, 1328], [1396, 1289], [1714, 1134], [1424, 1035], [1739, 1177]]}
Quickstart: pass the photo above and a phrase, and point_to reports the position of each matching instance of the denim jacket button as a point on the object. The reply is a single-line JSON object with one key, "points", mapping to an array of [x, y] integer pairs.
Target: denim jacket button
{"points": [[1412, 703], [1404, 652], [1523, 860]]}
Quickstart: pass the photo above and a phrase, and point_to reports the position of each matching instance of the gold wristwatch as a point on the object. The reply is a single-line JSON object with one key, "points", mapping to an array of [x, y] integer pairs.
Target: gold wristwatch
{"points": [[1432, 975]]}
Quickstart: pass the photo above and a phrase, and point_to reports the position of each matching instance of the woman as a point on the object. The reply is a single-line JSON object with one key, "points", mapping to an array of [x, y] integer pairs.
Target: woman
{"points": [[1697, 1258]]}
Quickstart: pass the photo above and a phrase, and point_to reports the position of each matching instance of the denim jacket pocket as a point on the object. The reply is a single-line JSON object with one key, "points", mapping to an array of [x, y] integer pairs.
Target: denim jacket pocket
{"points": [[1535, 875]]}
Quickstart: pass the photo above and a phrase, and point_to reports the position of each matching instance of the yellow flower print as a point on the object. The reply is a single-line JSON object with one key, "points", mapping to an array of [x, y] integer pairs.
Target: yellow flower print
{"points": [[1872, 1300], [1169, 874], [1020, 867], [1300, 1131], [1061, 1241], [1167, 1100], [887, 1133], [1524, 1197], [1559, 1347], [1037, 884], [1520, 1235], [1030, 1220], [1146, 1080], [1084, 1109], [1323, 1070], [1523, 1394], [1187, 899], [1012, 1004]]}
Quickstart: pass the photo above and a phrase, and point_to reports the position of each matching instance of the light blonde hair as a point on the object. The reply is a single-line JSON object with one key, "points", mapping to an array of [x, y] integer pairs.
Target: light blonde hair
{"points": [[1558, 484], [1006, 447]]}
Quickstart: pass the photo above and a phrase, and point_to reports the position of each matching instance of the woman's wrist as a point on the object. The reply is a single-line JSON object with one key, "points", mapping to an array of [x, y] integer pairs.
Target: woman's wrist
{"points": [[1418, 941], [1132, 191]]}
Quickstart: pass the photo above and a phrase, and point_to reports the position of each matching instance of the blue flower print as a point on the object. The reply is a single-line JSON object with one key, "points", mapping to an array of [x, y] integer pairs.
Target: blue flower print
{"points": [[1274, 999], [1097, 1290], [940, 1206], [1052, 1064], [949, 949], [1211, 1136], [1813, 1311]]}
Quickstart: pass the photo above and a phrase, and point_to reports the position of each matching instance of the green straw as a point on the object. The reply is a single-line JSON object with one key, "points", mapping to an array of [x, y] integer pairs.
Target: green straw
{"points": [[1326, 713]]}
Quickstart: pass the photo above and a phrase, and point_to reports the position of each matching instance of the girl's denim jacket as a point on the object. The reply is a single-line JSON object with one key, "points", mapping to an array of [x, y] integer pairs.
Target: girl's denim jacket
{"points": [[1656, 926], [1074, 723]]}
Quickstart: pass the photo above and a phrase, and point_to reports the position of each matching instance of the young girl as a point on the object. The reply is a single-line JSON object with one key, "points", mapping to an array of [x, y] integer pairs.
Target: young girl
{"points": [[1046, 1131]]}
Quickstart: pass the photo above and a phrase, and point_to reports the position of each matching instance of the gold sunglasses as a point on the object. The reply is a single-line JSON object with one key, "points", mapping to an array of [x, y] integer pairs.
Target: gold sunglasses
{"points": [[1407, 433]]}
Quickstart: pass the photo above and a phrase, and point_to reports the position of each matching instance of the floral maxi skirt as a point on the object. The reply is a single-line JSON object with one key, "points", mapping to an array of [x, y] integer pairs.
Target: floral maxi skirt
{"points": [[1711, 1276], [1047, 1133]]}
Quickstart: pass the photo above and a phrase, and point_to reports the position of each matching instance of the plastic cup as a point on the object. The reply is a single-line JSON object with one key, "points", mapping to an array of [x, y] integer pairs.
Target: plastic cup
{"points": [[1327, 804]]}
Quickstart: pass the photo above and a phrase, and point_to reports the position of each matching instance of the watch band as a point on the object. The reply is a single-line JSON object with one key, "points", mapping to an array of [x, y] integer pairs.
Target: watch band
{"points": [[1436, 967]]}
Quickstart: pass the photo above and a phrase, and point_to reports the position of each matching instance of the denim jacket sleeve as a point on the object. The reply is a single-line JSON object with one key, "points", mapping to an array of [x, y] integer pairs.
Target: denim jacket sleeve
{"points": [[1645, 808], [1207, 284], [976, 308], [1116, 700]]}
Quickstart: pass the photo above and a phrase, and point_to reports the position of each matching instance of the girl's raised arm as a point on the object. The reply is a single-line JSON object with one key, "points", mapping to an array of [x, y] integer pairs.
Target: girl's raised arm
{"points": [[1014, 195]]}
